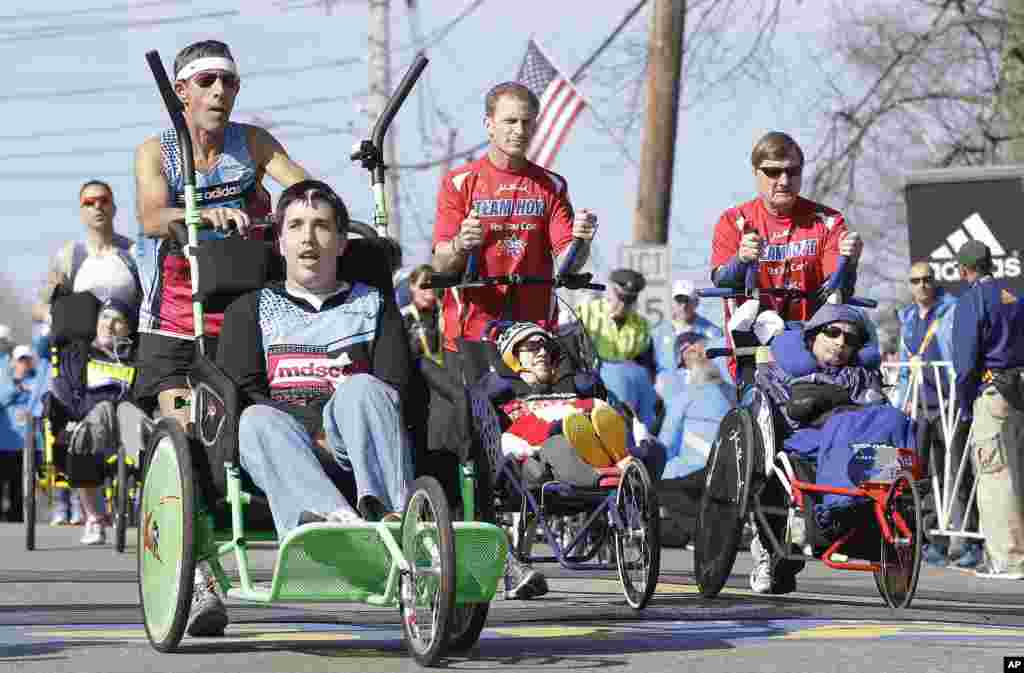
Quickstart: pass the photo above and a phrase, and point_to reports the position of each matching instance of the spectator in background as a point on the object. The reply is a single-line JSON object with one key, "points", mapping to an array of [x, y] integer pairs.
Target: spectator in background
{"points": [[926, 335], [988, 357], [101, 262], [622, 340], [685, 319], [16, 388], [422, 317], [692, 416]]}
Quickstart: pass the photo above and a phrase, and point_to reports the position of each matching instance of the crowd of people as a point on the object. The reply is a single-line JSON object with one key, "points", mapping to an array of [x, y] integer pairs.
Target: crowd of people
{"points": [[653, 394]]}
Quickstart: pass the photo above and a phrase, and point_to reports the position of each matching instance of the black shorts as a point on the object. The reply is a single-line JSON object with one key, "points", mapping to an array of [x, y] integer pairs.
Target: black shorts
{"points": [[164, 364]]}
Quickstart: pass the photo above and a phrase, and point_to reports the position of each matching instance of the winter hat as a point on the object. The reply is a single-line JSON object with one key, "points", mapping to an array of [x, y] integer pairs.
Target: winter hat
{"points": [[513, 335]]}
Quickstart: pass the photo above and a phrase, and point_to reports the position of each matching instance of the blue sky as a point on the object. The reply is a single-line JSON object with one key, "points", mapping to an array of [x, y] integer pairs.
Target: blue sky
{"points": [[78, 98]]}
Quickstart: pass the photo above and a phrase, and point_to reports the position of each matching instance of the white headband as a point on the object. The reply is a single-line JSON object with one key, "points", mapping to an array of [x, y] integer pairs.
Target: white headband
{"points": [[207, 63]]}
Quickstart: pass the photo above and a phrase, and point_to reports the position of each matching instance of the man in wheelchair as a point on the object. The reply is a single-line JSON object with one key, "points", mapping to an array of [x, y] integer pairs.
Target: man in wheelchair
{"points": [[93, 377], [826, 386], [323, 366], [556, 424]]}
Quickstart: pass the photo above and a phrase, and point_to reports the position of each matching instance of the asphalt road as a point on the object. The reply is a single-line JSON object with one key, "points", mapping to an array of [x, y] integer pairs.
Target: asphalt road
{"points": [[68, 608]]}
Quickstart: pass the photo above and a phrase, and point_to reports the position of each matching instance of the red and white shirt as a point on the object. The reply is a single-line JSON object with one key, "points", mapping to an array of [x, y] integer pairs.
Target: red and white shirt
{"points": [[527, 220], [800, 249]]}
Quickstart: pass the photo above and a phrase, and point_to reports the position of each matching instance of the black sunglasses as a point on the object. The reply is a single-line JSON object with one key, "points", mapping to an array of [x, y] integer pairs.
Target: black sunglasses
{"points": [[923, 279], [851, 339], [205, 80], [774, 172], [536, 345]]}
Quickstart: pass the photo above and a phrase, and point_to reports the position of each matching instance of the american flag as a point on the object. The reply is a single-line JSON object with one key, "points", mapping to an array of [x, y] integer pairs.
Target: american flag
{"points": [[560, 104]]}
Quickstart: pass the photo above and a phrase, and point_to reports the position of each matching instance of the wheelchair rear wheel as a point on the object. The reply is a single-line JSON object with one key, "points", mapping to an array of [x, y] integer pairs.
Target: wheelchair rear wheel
{"points": [[723, 504], [427, 592], [121, 501], [166, 559], [638, 541], [901, 558]]}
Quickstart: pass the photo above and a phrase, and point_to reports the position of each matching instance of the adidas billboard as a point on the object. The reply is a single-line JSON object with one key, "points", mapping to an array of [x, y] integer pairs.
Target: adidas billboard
{"points": [[946, 208]]}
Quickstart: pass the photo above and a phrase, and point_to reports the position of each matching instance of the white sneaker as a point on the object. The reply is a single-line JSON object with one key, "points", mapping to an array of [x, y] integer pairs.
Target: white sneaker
{"points": [[95, 534], [761, 575]]}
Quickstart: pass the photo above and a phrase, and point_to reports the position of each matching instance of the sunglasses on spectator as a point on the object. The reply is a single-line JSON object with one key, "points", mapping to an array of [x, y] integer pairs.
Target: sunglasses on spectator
{"points": [[930, 280], [96, 201], [774, 172], [205, 80], [851, 339]]}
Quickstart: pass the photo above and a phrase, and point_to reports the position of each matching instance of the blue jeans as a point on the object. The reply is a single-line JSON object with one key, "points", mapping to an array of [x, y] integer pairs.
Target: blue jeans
{"points": [[631, 383], [365, 432]]}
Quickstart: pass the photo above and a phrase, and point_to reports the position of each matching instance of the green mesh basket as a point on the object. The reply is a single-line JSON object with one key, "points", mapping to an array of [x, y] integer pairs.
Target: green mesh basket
{"points": [[350, 564]]}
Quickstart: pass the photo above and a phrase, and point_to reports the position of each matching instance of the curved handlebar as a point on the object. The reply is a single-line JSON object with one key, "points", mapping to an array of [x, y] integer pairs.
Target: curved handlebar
{"points": [[175, 109], [574, 246], [836, 281], [391, 109], [371, 152], [572, 281]]}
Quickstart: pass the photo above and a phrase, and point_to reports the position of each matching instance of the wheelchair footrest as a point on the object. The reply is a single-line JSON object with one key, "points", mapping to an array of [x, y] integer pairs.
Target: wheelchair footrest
{"points": [[328, 562]]}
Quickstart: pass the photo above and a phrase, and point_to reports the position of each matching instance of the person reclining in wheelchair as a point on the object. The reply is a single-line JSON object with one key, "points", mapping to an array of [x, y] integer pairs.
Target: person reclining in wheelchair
{"points": [[556, 425], [323, 366], [827, 386], [93, 377], [555, 421]]}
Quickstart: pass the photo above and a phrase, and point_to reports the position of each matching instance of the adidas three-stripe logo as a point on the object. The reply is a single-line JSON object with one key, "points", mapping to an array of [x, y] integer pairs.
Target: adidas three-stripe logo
{"points": [[943, 258]]}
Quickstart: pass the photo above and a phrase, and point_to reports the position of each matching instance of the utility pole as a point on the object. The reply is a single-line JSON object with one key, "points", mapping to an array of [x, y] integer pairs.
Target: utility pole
{"points": [[1012, 96], [664, 69], [380, 90]]}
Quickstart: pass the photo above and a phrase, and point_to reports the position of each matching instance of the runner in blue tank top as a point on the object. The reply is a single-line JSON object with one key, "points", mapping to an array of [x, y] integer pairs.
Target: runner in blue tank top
{"points": [[231, 160]]}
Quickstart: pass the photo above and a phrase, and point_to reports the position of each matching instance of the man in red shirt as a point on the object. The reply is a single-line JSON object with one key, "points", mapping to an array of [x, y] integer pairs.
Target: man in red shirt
{"points": [[796, 242], [512, 215]]}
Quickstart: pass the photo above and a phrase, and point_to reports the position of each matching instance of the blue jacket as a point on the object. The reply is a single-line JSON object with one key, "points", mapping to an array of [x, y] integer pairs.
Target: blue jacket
{"points": [[987, 325], [16, 399], [691, 425], [663, 339], [794, 363], [912, 333]]}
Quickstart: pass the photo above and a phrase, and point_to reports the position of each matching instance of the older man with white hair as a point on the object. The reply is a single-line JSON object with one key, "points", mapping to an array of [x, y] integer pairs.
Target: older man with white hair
{"points": [[685, 319]]}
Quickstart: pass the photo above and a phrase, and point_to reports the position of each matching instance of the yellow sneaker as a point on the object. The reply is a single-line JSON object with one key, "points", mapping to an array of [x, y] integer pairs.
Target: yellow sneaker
{"points": [[578, 429], [610, 428]]}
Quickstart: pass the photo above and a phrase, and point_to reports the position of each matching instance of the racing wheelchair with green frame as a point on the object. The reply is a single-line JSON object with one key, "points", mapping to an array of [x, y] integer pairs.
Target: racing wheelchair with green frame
{"points": [[440, 573]]}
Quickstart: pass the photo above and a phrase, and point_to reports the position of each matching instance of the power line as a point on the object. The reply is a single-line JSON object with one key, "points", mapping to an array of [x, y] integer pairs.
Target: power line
{"points": [[47, 32], [266, 72], [32, 16]]}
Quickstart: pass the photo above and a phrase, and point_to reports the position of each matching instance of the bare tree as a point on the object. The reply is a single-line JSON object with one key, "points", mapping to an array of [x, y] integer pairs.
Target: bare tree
{"points": [[728, 43], [916, 84]]}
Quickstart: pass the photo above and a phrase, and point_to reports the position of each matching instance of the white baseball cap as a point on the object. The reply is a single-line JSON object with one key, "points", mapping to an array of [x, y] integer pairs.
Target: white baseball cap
{"points": [[683, 287], [22, 351]]}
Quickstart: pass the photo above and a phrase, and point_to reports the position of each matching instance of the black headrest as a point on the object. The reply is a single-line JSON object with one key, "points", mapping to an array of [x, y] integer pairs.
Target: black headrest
{"points": [[230, 267], [368, 260], [73, 317]]}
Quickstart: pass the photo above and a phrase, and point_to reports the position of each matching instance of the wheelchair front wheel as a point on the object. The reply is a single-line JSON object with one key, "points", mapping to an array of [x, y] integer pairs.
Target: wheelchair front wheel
{"points": [[427, 591], [723, 504], [166, 559], [638, 540], [901, 557]]}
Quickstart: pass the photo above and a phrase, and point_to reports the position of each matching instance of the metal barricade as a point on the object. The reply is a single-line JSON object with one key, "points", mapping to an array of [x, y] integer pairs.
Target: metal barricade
{"points": [[944, 490]]}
